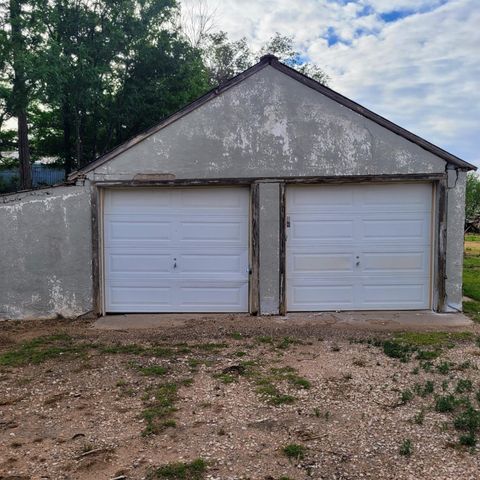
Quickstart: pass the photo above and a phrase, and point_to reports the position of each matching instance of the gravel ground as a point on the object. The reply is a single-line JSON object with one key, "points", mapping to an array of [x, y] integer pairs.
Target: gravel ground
{"points": [[242, 393]]}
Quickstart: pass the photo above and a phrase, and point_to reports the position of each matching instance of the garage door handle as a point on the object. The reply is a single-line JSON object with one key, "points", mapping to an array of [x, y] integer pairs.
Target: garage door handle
{"points": [[357, 264], [174, 263]]}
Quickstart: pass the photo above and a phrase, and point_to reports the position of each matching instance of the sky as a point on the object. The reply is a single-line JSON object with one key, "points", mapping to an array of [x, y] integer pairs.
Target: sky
{"points": [[416, 62]]}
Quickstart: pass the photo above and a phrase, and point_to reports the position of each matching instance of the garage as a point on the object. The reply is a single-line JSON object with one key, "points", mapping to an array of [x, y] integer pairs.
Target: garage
{"points": [[176, 250], [359, 247]]}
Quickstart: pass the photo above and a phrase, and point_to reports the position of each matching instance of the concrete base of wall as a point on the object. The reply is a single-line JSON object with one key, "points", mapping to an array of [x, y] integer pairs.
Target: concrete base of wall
{"points": [[387, 321]]}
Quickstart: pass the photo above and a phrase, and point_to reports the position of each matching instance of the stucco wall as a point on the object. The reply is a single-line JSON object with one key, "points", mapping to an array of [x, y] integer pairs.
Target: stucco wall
{"points": [[270, 125], [455, 227], [46, 260], [269, 216]]}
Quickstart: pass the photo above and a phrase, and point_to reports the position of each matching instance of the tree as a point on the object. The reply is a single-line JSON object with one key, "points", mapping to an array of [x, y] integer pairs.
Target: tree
{"points": [[472, 198], [225, 58]]}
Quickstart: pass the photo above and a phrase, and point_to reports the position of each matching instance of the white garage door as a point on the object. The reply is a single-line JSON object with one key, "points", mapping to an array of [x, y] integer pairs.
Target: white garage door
{"points": [[362, 247], [176, 250]]}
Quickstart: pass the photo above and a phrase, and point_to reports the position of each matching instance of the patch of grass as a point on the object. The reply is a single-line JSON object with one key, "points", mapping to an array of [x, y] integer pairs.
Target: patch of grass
{"points": [[41, 349], [406, 396], [237, 336], [419, 417], [153, 370], [225, 378], [472, 309], [472, 237], [195, 470], [398, 350], [464, 385], [406, 448], [273, 395], [240, 353], [162, 352], [160, 404], [289, 374], [446, 403], [428, 354], [426, 389], [471, 276], [431, 339], [294, 451], [444, 367]]}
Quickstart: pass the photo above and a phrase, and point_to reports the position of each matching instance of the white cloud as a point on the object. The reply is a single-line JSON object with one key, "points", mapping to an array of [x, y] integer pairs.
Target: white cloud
{"points": [[421, 71]]}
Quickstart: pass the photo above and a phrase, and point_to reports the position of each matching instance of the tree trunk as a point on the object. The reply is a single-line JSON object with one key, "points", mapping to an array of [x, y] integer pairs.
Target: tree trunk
{"points": [[67, 139], [24, 151], [20, 93]]}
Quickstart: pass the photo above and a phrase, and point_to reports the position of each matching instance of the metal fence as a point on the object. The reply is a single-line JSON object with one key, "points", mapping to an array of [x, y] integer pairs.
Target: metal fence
{"points": [[42, 175]]}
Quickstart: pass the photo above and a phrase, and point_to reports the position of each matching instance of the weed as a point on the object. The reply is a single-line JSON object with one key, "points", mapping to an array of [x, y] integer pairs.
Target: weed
{"points": [[469, 420], [273, 395], [406, 448], [211, 346], [444, 367], [398, 350], [446, 403], [159, 408], [41, 349], [427, 354], [180, 471], [445, 385], [316, 412], [426, 366], [153, 370], [162, 352], [240, 353], [464, 385], [419, 417], [225, 377], [465, 365], [406, 396], [294, 451], [468, 440], [237, 336], [416, 371]]}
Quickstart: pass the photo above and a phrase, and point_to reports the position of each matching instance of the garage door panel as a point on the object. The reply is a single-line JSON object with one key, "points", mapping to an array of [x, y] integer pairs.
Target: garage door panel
{"points": [[226, 296], [138, 298], [137, 201], [212, 231], [321, 229], [305, 263], [139, 263], [393, 292], [393, 229], [398, 262], [382, 261], [307, 295], [175, 250]]}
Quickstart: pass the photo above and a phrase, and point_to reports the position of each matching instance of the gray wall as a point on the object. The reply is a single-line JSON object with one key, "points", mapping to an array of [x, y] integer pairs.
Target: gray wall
{"points": [[269, 217], [455, 227], [46, 260], [270, 125]]}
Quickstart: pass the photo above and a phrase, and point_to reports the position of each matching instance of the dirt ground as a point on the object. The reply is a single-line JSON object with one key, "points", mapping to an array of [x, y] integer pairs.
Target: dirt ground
{"points": [[79, 403]]}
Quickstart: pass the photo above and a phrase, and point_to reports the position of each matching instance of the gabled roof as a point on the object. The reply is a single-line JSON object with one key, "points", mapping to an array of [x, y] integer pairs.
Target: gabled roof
{"points": [[273, 61]]}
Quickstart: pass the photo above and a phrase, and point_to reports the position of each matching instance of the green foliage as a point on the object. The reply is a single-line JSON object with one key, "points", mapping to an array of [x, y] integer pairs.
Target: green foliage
{"points": [[160, 404], [42, 349], [472, 197], [464, 385], [180, 471], [446, 403], [294, 451], [406, 448]]}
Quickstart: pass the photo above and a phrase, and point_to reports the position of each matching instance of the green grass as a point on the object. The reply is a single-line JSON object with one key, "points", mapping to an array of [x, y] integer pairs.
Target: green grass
{"points": [[41, 349], [294, 451], [471, 277], [153, 370], [160, 404], [406, 448], [180, 471]]}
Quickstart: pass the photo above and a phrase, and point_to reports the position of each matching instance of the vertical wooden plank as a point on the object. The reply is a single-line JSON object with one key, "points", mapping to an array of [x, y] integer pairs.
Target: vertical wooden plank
{"points": [[282, 252], [441, 244], [97, 306], [255, 253]]}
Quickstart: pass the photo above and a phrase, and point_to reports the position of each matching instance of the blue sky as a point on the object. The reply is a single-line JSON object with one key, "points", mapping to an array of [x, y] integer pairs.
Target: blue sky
{"points": [[416, 62]]}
